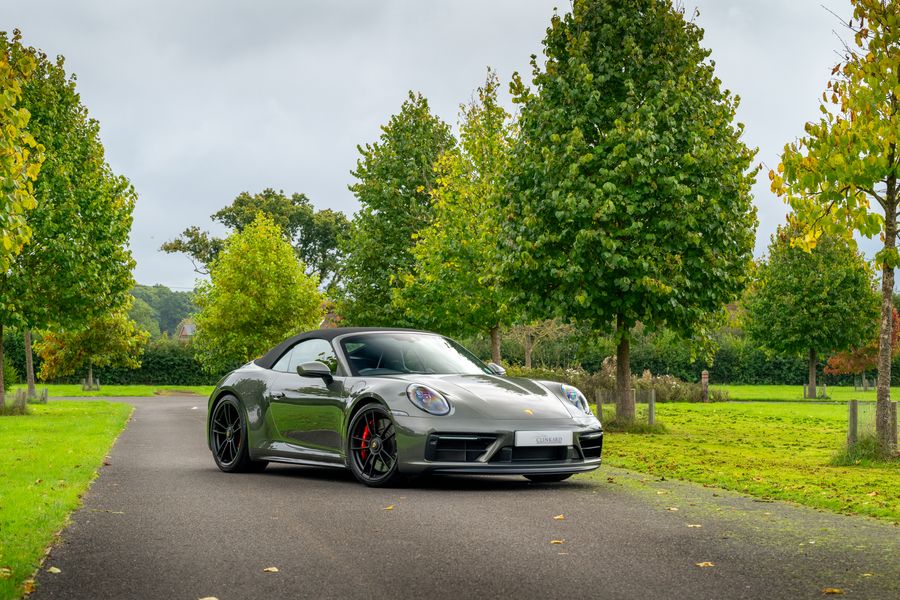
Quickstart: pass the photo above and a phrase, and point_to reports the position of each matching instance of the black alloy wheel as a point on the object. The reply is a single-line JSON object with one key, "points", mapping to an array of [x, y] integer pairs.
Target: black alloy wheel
{"points": [[373, 446], [228, 438]]}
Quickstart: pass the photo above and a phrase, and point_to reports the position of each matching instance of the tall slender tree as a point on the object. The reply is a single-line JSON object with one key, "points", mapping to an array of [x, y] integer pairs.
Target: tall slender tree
{"points": [[77, 265], [453, 285], [20, 162], [395, 177], [841, 177], [630, 184]]}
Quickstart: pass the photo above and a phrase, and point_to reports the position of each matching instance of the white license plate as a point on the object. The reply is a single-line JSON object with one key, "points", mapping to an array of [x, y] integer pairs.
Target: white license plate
{"points": [[543, 438]]}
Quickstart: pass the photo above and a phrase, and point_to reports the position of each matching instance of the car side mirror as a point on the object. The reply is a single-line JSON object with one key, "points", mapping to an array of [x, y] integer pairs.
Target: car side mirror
{"points": [[315, 369], [496, 369]]}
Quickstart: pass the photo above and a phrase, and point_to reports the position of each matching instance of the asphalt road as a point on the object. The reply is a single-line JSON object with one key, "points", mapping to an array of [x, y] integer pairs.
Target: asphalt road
{"points": [[162, 522]]}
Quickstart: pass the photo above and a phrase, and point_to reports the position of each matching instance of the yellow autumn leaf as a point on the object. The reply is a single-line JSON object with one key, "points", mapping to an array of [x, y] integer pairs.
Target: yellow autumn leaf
{"points": [[557, 542], [391, 507], [832, 591], [694, 525], [559, 518], [5, 572], [270, 570], [54, 570], [705, 564], [672, 508]]}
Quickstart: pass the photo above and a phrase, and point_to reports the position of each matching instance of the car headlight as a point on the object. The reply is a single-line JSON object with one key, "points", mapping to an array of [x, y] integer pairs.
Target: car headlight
{"points": [[576, 398], [429, 400]]}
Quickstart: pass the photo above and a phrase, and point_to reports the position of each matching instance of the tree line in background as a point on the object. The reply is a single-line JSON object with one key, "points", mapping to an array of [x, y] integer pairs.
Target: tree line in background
{"points": [[613, 210]]}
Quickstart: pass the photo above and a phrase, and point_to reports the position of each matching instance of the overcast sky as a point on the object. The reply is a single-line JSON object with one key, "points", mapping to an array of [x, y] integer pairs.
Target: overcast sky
{"points": [[200, 100]]}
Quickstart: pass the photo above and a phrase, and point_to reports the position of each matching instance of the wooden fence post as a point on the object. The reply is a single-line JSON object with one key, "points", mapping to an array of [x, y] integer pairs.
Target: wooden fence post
{"points": [[651, 408], [704, 386], [852, 420]]}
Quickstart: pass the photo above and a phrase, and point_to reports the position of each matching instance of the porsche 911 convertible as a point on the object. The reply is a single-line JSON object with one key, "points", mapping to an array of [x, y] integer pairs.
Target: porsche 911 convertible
{"points": [[390, 403]]}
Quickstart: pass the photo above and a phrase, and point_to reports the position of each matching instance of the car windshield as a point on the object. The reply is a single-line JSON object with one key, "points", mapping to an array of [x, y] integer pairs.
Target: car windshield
{"points": [[374, 354]]}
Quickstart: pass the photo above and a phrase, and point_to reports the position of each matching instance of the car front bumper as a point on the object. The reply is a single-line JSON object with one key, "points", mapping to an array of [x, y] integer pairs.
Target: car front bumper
{"points": [[433, 446]]}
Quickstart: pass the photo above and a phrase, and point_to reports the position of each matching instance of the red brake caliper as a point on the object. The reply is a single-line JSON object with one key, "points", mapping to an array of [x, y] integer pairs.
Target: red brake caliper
{"points": [[365, 442]]}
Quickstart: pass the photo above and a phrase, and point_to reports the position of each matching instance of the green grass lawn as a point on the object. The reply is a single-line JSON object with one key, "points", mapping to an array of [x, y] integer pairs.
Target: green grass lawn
{"points": [[74, 390], [774, 451], [794, 393], [47, 460]]}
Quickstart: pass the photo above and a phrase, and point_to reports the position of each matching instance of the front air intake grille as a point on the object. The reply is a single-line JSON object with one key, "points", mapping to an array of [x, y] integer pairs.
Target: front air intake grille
{"points": [[457, 447], [591, 444], [529, 454]]}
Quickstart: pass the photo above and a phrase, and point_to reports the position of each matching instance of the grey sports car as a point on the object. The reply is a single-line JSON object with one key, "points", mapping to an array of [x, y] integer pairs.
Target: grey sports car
{"points": [[389, 403]]}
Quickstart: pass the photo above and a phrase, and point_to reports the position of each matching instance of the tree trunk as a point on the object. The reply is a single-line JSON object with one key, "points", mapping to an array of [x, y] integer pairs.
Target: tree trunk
{"points": [[2, 363], [883, 406], [90, 377], [29, 365], [495, 344], [529, 346], [624, 399], [813, 361]]}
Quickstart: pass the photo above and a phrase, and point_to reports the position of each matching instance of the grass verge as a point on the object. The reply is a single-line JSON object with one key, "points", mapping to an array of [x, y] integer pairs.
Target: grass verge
{"points": [[772, 451], [47, 460], [794, 393], [110, 391]]}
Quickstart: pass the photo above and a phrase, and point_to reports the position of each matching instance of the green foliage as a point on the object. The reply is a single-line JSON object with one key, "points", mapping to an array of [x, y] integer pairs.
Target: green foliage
{"points": [[20, 153], [395, 179], [145, 317], [822, 300], [164, 362], [453, 286], [631, 185], [169, 307], [257, 295], [314, 234], [865, 453], [111, 339], [10, 375]]}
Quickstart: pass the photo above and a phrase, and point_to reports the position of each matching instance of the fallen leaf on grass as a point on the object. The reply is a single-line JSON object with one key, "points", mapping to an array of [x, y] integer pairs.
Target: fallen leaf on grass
{"points": [[672, 508], [557, 542], [872, 493], [5, 572], [391, 507], [832, 591], [28, 588], [270, 570], [694, 525], [705, 564], [559, 518], [53, 570], [867, 574], [661, 492]]}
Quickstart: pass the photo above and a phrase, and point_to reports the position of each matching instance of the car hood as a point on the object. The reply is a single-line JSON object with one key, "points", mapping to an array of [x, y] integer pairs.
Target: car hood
{"points": [[494, 397]]}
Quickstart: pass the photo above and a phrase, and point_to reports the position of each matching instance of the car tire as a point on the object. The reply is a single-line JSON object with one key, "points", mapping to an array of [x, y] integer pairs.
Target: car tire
{"points": [[547, 478], [372, 441], [228, 438]]}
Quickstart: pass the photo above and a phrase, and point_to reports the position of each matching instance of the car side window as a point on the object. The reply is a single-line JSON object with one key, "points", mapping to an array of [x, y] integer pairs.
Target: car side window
{"points": [[284, 362], [310, 350]]}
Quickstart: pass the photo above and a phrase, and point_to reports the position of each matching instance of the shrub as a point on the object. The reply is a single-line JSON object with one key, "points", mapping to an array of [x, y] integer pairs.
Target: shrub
{"points": [[10, 375]]}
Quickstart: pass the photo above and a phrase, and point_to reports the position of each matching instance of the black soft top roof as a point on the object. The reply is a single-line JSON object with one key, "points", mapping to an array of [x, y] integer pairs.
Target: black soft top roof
{"points": [[268, 360]]}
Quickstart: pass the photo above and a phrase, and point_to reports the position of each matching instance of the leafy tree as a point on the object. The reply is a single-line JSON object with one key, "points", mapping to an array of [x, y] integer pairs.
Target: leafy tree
{"points": [[145, 318], [453, 285], [630, 185], [108, 340], [315, 234], [395, 177], [863, 358], [810, 303], [257, 295], [77, 264], [532, 335], [169, 307], [841, 177]]}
